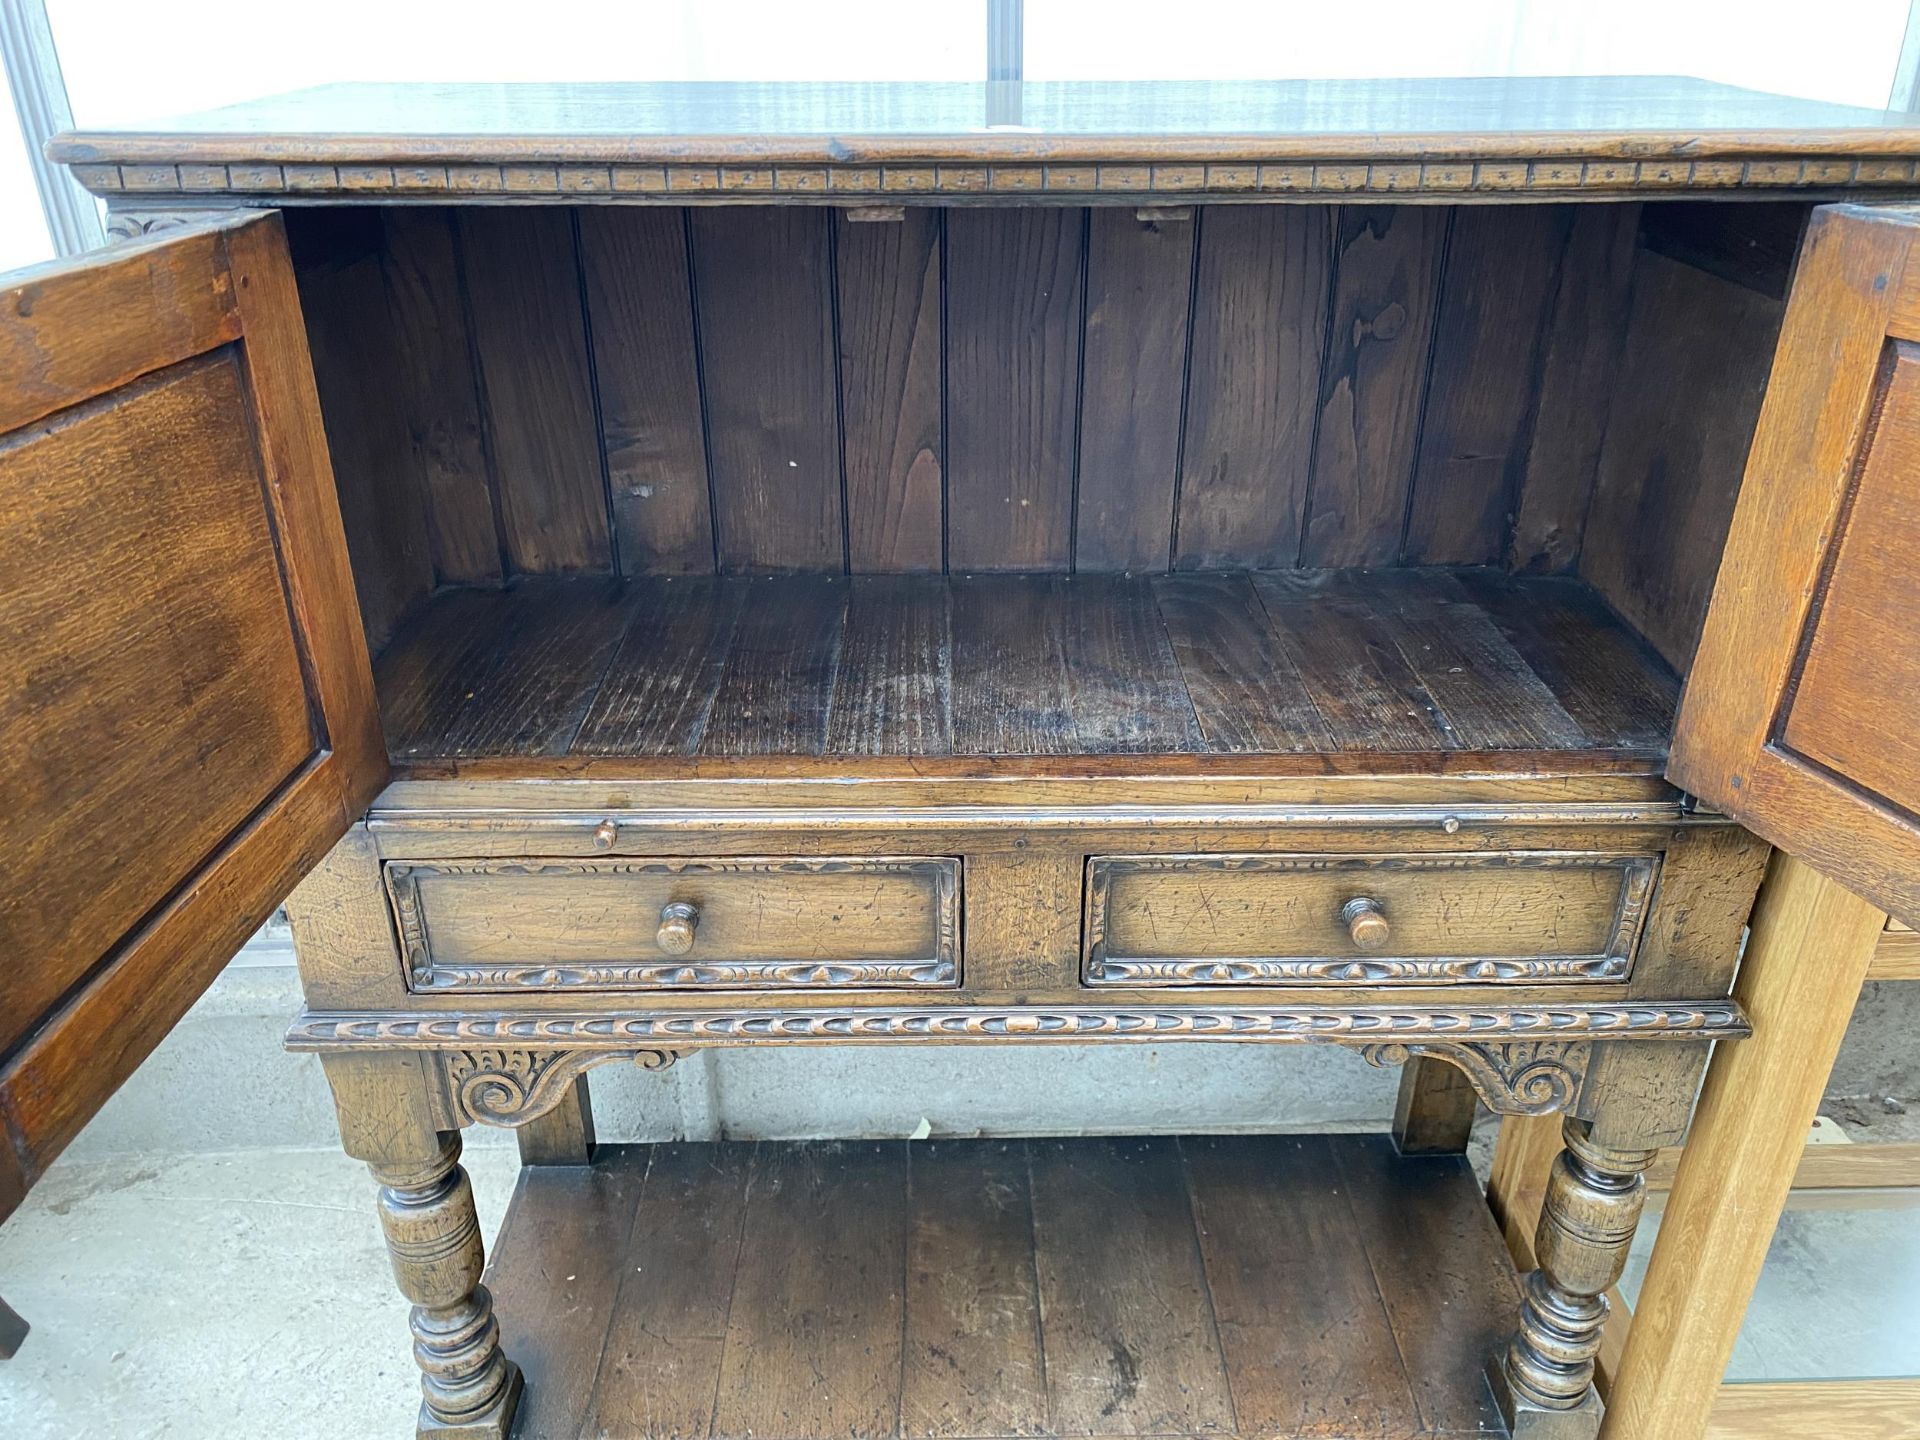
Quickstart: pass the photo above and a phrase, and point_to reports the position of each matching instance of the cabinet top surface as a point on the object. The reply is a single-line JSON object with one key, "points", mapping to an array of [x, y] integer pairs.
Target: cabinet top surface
{"points": [[1429, 128]]}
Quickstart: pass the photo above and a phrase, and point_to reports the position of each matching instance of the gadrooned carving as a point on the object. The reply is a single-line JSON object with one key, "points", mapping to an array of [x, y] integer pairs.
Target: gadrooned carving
{"points": [[612, 1030], [510, 1087], [1517, 1077]]}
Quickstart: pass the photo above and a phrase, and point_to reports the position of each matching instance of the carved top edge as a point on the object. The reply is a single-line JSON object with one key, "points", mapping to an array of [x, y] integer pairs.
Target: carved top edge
{"points": [[1128, 180], [1293, 1024]]}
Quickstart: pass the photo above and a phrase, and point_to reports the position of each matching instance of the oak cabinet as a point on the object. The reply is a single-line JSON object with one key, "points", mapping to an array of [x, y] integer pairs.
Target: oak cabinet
{"points": [[885, 582]]}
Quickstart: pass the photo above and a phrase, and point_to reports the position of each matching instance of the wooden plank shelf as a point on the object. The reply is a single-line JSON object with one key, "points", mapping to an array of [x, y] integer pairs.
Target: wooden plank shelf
{"points": [[1371, 664], [1270, 1286]]}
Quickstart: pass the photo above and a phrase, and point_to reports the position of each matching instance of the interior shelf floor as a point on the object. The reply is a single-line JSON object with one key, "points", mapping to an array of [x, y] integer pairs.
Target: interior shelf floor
{"points": [[1271, 1286], [1389, 662]]}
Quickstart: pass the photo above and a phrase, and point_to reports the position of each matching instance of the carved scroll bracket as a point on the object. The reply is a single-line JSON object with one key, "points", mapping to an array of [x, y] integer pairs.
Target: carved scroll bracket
{"points": [[1514, 1077], [511, 1087]]}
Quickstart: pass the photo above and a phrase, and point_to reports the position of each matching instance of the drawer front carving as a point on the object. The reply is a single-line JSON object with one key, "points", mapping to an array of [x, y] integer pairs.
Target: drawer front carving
{"points": [[1519, 918], [748, 923]]}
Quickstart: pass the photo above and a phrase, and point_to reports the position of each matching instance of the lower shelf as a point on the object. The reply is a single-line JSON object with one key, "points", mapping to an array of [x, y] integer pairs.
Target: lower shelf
{"points": [[1252, 1286]]}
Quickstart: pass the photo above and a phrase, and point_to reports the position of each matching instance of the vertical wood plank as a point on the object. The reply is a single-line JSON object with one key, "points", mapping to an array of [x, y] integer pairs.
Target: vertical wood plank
{"points": [[1259, 326], [553, 1287], [441, 395], [1578, 375], [1503, 264], [1139, 283], [1247, 694], [1127, 694], [523, 298], [1131, 1347], [818, 1293], [1013, 363], [1385, 298], [661, 1365], [1010, 691], [660, 686], [766, 340], [1698, 352], [1304, 1329], [777, 685], [1442, 1270], [973, 1359], [361, 383], [892, 689], [888, 280], [640, 307]]}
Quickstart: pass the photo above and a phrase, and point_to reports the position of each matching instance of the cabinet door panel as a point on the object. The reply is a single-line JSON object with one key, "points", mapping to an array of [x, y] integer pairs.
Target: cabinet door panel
{"points": [[1802, 713], [183, 684]]}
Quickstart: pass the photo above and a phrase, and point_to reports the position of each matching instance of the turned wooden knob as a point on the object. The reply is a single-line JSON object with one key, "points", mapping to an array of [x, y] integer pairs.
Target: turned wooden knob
{"points": [[604, 834], [678, 921], [1366, 924]]}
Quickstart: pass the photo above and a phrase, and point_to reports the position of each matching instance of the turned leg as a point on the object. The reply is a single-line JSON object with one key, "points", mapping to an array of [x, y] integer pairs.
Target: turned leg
{"points": [[1434, 1115], [1594, 1198], [469, 1387], [390, 1118], [562, 1136]]}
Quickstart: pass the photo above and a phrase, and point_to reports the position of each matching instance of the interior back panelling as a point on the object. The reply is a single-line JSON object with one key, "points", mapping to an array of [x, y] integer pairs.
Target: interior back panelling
{"points": [[751, 388]]}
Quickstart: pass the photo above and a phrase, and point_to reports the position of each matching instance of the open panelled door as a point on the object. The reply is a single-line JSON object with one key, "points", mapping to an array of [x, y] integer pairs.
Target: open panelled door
{"points": [[1802, 712], [187, 718]]}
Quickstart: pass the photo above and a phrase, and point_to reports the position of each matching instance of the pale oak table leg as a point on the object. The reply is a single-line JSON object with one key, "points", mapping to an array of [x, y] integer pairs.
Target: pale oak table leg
{"points": [[1806, 960], [562, 1136]]}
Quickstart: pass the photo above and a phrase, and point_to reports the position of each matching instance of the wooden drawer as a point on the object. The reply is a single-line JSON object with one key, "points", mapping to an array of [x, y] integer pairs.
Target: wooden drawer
{"points": [[1521, 918], [754, 923]]}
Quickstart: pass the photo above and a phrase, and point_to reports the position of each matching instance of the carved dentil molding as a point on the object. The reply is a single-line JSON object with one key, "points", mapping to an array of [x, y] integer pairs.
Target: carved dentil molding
{"points": [[511, 1087], [1515, 1077]]}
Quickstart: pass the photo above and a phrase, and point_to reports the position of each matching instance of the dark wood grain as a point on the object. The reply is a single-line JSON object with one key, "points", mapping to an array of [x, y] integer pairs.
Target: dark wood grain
{"points": [[1386, 294], [1310, 662], [1126, 691], [1442, 1270], [523, 298], [1503, 267], [973, 1365], [1011, 694], [1489, 698], [553, 1284], [763, 285], [1604, 677], [510, 671], [1579, 370], [434, 361], [1139, 283], [887, 277], [1302, 1324], [1356, 1293], [1360, 682], [777, 685], [659, 688], [1259, 327], [813, 1345], [1692, 376], [1130, 1339], [666, 1327], [1246, 692], [1013, 360], [647, 374], [365, 386], [892, 692]]}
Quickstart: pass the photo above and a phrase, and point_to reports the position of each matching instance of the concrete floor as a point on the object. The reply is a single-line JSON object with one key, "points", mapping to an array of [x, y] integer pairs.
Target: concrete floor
{"points": [[247, 1295]]}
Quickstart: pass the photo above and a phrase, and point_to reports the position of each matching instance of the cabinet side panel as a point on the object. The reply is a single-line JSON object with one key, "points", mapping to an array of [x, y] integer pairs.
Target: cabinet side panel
{"points": [[1687, 395]]}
